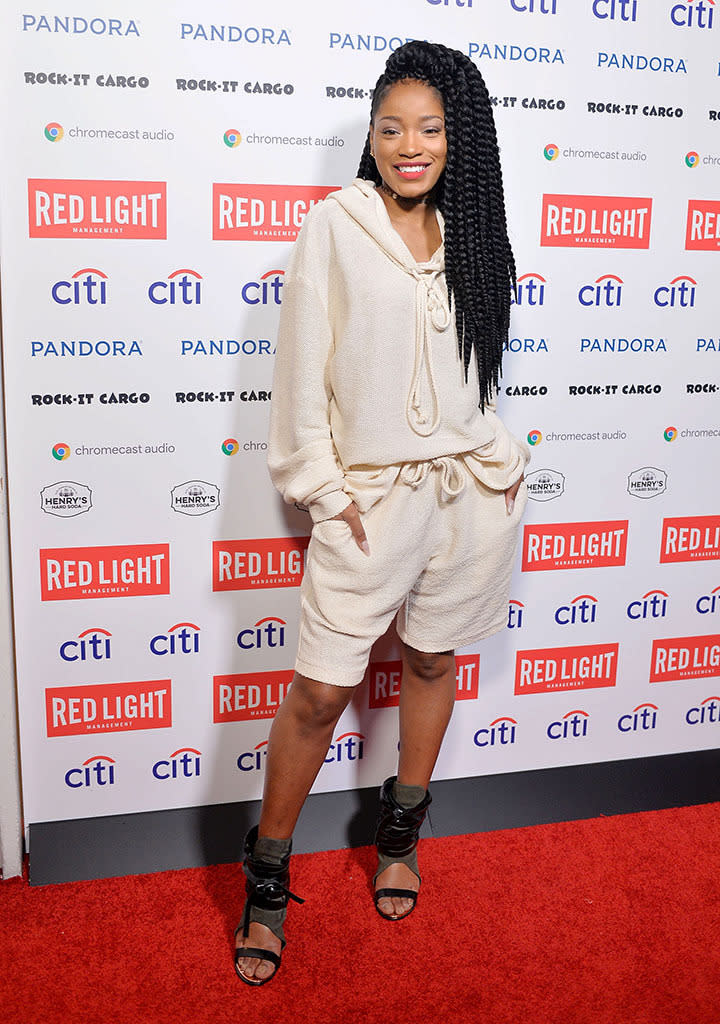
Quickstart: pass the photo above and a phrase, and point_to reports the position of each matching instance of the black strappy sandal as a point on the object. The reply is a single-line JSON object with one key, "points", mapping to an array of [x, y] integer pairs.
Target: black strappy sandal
{"points": [[396, 839], [267, 892]]}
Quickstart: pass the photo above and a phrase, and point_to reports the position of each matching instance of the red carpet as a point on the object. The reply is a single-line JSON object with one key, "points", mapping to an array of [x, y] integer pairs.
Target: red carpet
{"points": [[607, 921]]}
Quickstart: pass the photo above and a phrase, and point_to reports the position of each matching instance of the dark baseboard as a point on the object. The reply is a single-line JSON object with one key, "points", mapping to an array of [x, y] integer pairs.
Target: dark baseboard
{"points": [[130, 844]]}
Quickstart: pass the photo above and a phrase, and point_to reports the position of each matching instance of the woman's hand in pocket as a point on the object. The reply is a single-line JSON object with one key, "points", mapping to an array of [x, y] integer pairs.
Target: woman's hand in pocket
{"points": [[352, 518]]}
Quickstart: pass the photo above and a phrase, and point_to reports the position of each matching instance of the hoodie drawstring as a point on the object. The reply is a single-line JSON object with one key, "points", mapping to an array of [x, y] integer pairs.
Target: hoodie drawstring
{"points": [[452, 481], [431, 309]]}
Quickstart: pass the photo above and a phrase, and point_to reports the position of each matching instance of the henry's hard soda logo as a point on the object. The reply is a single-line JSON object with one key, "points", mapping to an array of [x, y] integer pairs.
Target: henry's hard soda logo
{"points": [[255, 213], [685, 657], [547, 669], [703, 224], [386, 677], [690, 539], [241, 697], [121, 570], [68, 208], [259, 563], [574, 545], [588, 222], [108, 707]]}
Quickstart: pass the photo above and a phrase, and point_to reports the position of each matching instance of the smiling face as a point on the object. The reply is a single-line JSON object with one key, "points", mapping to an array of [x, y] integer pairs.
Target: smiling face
{"points": [[407, 138]]}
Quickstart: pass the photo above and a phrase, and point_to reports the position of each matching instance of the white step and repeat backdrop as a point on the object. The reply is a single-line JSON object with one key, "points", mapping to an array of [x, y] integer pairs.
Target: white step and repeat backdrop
{"points": [[159, 159]]}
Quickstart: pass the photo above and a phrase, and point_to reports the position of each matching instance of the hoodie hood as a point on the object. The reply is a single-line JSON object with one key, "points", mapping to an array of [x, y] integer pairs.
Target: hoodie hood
{"points": [[362, 203], [432, 310]]}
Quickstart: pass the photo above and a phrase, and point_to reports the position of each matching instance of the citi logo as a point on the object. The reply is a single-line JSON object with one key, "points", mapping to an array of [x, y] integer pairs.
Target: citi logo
{"points": [[86, 287], [582, 608], [534, 6], [708, 603], [606, 291], [515, 614], [266, 291], [182, 764], [680, 292], [652, 605], [348, 747], [91, 645], [253, 760], [707, 713], [96, 771], [501, 733], [182, 638], [693, 15], [622, 10], [642, 719], [530, 290], [572, 726], [181, 288], [266, 633]]}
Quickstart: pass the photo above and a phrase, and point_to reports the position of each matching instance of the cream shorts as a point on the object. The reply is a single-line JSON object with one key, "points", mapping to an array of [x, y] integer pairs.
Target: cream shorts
{"points": [[442, 548]]}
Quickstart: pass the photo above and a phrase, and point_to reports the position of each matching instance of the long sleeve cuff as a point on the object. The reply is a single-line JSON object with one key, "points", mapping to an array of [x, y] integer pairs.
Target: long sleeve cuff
{"points": [[328, 505]]}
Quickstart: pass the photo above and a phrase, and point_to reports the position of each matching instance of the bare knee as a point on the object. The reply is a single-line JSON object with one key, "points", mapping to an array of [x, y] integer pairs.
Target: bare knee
{"points": [[429, 667], [317, 705]]}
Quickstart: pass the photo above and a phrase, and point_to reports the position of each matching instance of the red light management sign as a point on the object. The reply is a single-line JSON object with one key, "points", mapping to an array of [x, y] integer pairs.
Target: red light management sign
{"points": [[547, 669], [242, 697], [386, 676], [590, 222], [574, 545], [259, 563], [108, 707], [690, 539], [68, 208], [703, 224], [121, 570], [263, 213], [685, 657]]}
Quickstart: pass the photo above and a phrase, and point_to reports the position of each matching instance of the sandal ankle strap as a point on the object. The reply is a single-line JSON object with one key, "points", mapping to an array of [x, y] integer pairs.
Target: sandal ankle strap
{"points": [[398, 827]]}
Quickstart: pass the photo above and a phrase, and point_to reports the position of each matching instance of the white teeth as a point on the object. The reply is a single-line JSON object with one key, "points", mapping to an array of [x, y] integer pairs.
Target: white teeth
{"points": [[411, 170]]}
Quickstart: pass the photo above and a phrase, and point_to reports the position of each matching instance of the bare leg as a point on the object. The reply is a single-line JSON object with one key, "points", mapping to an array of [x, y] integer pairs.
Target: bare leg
{"points": [[427, 698], [299, 741]]}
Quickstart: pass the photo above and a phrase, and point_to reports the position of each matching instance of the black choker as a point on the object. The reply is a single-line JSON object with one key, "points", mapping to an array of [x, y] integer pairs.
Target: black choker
{"points": [[406, 199]]}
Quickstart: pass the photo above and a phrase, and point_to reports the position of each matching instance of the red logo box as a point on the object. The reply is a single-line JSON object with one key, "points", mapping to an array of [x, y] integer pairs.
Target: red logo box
{"points": [[702, 231], [591, 222], [121, 570], [685, 657], [242, 697], [66, 208], [108, 707], [690, 539], [262, 213], [259, 563], [386, 676], [574, 545], [548, 669]]}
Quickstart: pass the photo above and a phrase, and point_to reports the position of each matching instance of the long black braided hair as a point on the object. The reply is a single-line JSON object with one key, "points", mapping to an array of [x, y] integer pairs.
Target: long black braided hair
{"points": [[479, 264]]}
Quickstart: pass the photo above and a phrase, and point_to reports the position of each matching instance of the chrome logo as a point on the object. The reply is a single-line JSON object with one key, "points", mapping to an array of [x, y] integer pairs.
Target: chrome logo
{"points": [[534, 437], [670, 433], [230, 446], [61, 451], [232, 138], [692, 159], [551, 151], [54, 131]]}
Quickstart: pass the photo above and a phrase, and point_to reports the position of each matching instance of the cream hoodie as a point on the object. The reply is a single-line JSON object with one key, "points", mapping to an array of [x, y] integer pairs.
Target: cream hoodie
{"points": [[367, 371]]}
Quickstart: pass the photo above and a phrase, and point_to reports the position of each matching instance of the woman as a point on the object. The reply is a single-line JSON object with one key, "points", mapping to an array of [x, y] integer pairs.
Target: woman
{"points": [[395, 309]]}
